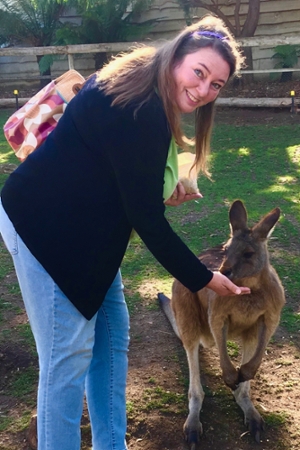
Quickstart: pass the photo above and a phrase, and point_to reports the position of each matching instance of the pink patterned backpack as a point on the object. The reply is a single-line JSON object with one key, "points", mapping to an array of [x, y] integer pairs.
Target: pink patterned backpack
{"points": [[29, 126]]}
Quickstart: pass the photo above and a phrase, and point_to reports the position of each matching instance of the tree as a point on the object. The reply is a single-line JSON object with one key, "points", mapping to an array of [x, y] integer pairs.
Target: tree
{"points": [[106, 21], [37, 23], [32, 22], [237, 29]]}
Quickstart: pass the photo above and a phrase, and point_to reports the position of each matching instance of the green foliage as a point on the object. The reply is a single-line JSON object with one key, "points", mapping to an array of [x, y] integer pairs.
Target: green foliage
{"points": [[106, 21], [287, 56], [33, 21]]}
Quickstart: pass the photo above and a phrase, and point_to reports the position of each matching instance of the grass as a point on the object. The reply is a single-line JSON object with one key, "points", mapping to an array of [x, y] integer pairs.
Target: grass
{"points": [[275, 419], [159, 398], [26, 337], [6, 153], [24, 383], [233, 349], [5, 263], [291, 320], [257, 164], [15, 425]]}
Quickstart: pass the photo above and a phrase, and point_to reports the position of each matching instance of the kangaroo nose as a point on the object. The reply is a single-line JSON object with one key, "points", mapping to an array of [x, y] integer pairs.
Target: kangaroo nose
{"points": [[227, 271]]}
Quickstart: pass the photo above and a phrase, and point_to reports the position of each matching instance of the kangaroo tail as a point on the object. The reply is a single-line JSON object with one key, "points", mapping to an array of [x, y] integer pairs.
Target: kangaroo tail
{"points": [[165, 304]]}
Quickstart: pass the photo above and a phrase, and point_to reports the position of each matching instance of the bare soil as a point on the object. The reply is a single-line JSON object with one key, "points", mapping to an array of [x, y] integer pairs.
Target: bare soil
{"points": [[157, 386]]}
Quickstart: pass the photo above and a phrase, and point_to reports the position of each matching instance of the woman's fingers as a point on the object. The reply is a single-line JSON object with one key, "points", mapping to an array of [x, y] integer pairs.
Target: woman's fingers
{"points": [[223, 286], [180, 196]]}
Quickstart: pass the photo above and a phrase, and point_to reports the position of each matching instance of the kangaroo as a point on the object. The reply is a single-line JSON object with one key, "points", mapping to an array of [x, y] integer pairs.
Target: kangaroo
{"points": [[208, 319]]}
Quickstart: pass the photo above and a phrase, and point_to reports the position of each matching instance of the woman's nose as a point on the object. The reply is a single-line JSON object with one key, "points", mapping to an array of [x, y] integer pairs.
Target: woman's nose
{"points": [[203, 89]]}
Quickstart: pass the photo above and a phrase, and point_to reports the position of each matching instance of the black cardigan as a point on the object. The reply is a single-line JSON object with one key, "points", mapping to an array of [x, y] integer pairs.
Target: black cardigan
{"points": [[75, 200]]}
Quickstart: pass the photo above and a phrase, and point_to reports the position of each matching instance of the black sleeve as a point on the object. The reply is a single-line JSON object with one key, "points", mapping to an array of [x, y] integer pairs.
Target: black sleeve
{"points": [[138, 152]]}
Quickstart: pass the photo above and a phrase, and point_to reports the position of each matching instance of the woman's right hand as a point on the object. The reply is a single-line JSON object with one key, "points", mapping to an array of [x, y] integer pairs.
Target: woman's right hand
{"points": [[223, 286], [179, 196]]}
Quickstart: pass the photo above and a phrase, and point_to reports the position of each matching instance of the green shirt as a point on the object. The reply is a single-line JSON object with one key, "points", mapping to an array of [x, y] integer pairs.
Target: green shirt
{"points": [[171, 171]]}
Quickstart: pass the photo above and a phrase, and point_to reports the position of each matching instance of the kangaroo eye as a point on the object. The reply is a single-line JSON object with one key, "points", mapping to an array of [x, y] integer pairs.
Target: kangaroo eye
{"points": [[248, 255]]}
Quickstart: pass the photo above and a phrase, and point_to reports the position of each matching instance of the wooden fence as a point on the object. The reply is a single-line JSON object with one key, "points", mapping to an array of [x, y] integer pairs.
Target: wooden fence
{"points": [[116, 47]]}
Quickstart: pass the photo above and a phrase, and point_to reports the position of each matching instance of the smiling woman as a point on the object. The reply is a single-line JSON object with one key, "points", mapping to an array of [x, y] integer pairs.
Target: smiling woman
{"points": [[199, 78]]}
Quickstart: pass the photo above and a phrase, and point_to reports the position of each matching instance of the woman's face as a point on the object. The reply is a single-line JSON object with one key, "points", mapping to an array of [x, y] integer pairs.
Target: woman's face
{"points": [[199, 78]]}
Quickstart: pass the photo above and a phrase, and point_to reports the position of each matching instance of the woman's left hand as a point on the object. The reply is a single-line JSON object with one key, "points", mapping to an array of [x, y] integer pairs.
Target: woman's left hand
{"points": [[179, 196]]}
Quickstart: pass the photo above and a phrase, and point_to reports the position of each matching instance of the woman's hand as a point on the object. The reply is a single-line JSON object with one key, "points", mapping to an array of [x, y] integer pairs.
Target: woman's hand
{"points": [[223, 286], [180, 196]]}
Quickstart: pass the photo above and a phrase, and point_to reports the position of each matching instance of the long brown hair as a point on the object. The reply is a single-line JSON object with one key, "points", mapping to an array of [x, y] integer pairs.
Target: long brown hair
{"points": [[132, 77]]}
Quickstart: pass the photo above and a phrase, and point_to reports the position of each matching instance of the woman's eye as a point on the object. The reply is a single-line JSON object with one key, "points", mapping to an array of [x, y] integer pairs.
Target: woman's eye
{"points": [[216, 86], [198, 72]]}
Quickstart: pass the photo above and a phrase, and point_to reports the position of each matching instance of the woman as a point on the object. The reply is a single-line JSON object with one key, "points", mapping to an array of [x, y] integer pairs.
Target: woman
{"points": [[69, 209]]}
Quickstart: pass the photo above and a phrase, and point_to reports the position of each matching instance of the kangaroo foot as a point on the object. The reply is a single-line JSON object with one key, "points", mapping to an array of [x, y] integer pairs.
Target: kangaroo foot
{"points": [[192, 434], [252, 419], [255, 425]]}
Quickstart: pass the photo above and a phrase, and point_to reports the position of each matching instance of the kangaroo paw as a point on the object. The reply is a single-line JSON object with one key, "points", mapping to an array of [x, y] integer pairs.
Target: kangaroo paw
{"points": [[231, 379], [192, 435], [256, 426], [245, 374]]}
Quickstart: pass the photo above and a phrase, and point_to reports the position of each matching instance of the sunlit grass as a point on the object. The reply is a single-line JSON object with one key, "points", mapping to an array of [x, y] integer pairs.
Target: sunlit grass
{"points": [[244, 151]]}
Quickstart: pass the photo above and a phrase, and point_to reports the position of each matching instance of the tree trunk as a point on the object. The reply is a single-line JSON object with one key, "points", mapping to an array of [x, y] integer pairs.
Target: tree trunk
{"points": [[252, 18], [248, 30], [100, 59]]}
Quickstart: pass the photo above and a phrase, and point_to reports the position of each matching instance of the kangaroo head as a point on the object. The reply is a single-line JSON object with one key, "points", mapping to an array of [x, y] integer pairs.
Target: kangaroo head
{"points": [[246, 252]]}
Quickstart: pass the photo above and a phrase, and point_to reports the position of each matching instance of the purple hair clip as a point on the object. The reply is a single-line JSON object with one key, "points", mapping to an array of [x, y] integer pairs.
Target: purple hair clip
{"points": [[210, 34]]}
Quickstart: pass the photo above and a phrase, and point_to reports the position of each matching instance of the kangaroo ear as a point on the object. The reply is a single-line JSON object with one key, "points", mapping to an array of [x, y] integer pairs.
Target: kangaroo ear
{"points": [[266, 225], [238, 216]]}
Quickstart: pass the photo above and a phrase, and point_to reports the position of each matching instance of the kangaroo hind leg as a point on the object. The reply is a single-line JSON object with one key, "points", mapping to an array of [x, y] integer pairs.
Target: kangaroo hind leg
{"points": [[193, 427], [165, 304], [252, 418]]}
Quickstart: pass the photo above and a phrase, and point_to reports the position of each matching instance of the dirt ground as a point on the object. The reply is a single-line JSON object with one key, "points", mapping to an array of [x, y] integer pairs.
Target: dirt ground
{"points": [[157, 386]]}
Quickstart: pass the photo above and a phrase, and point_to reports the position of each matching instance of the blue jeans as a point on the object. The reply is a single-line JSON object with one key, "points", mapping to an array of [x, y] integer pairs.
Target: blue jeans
{"points": [[76, 356]]}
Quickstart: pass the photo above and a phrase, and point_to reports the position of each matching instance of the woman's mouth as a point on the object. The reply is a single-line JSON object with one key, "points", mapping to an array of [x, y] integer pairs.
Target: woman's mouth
{"points": [[191, 97]]}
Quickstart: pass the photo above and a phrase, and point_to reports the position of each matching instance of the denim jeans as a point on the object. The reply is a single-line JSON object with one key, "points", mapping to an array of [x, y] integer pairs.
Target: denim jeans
{"points": [[76, 356]]}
